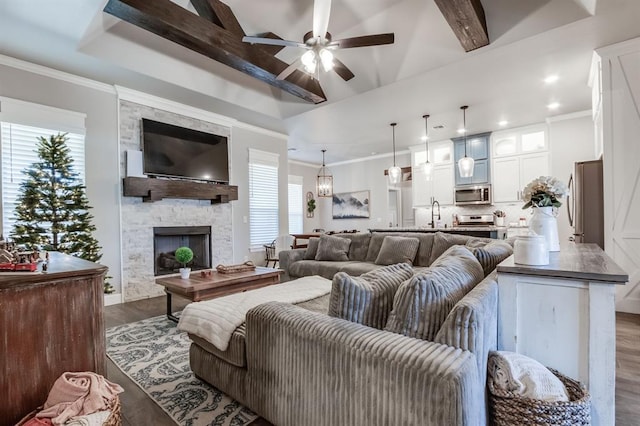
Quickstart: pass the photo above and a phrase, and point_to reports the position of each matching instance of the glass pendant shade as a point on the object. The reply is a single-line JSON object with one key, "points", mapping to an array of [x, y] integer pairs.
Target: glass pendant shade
{"points": [[325, 180], [427, 169], [465, 166], [395, 173]]}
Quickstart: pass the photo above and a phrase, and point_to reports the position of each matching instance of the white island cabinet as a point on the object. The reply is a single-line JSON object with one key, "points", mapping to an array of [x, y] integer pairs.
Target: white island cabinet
{"points": [[563, 315]]}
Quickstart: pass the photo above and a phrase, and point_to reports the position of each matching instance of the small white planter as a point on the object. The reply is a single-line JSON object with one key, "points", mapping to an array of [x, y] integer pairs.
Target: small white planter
{"points": [[184, 273]]}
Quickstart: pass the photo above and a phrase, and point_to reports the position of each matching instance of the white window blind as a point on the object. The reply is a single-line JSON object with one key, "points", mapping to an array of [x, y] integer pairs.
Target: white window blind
{"points": [[296, 205], [19, 153], [263, 197]]}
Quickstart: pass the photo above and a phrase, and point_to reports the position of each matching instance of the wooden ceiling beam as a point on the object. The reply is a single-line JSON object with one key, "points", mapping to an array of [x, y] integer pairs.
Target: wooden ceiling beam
{"points": [[269, 48], [220, 14], [467, 20], [172, 22]]}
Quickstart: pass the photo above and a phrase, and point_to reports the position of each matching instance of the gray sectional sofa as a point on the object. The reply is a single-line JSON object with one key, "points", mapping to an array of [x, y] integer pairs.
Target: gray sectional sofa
{"points": [[305, 364]]}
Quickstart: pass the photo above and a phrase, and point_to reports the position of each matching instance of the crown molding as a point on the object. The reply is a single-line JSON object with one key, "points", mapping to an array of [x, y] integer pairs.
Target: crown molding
{"points": [[570, 116], [272, 133], [372, 157], [302, 163], [56, 74]]}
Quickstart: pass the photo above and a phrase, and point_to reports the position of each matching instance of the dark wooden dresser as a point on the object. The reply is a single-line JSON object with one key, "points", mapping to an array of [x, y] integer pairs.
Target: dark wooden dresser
{"points": [[49, 323]]}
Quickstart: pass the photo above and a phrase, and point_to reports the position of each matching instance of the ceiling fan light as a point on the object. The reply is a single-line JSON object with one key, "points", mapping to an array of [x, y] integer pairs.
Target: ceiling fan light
{"points": [[309, 61], [465, 166], [326, 57]]}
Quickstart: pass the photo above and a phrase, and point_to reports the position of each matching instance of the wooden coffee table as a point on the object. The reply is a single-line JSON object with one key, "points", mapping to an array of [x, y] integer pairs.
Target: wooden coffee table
{"points": [[198, 288]]}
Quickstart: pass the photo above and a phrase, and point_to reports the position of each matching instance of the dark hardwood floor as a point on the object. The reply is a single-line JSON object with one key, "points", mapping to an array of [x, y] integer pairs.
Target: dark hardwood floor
{"points": [[139, 410]]}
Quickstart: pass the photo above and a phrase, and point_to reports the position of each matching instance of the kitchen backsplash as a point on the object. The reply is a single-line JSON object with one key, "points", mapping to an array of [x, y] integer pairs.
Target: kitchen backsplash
{"points": [[513, 210]]}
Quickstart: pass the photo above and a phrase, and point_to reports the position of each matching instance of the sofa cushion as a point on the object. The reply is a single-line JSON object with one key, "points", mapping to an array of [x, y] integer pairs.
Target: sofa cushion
{"points": [[397, 250], [423, 256], [333, 248], [367, 299], [422, 304], [491, 254], [442, 241], [358, 268], [359, 245], [326, 269], [312, 249]]}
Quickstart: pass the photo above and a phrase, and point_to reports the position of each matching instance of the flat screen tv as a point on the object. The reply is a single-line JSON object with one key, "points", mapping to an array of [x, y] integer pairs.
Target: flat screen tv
{"points": [[179, 152]]}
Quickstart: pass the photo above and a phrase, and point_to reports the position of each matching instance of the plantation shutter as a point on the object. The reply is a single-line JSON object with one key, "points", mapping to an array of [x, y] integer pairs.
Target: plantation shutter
{"points": [[296, 209], [21, 124], [263, 197]]}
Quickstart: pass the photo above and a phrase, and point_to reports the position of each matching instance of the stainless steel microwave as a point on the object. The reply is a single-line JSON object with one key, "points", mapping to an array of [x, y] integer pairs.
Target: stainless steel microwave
{"points": [[468, 195]]}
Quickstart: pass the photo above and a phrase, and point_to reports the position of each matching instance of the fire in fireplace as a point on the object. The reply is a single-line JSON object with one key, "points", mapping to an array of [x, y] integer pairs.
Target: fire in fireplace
{"points": [[168, 238]]}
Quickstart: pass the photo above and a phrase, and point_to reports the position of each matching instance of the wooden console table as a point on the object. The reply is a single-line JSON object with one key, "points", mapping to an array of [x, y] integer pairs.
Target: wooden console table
{"points": [[49, 323], [198, 288], [563, 315]]}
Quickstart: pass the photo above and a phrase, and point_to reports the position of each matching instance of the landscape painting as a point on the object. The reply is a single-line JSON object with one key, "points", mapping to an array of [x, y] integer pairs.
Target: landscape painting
{"points": [[351, 205]]}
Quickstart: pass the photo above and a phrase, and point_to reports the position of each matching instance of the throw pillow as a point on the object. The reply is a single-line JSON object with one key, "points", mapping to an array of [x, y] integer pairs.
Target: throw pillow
{"points": [[442, 241], [312, 249], [490, 255], [333, 248], [367, 299], [397, 250], [422, 303]]}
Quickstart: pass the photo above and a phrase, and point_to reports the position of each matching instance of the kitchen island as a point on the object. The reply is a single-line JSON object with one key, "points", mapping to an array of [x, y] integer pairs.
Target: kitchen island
{"points": [[488, 231]]}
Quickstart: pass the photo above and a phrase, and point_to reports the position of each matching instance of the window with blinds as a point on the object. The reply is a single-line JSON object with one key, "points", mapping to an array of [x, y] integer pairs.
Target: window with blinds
{"points": [[296, 205], [19, 153], [263, 198]]}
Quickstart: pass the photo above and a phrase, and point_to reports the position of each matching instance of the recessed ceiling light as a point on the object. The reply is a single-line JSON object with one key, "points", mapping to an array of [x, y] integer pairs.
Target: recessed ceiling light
{"points": [[502, 123], [553, 105], [423, 138], [461, 131], [550, 79], [374, 152]]}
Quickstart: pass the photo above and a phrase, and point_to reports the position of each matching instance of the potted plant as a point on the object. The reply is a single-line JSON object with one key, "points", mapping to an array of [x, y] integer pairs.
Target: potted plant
{"points": [[311, 206], [184, 255], [543, 195]]}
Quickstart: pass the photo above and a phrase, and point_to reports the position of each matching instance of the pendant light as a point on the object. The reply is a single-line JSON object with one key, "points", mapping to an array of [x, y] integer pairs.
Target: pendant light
{"points": [[427, 167], [325, 180], [394, 172], [465, 164]]}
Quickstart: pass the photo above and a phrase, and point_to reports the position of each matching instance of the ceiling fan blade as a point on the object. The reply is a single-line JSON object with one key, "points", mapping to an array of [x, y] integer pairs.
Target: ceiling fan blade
{"points": [[272, 41], [321, 12], [342, 70], [363, 41], [288, 70]]}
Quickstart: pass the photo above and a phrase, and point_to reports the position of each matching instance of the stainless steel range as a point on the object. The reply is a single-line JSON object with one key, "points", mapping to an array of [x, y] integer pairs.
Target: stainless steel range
{"points": [[475, 220]]}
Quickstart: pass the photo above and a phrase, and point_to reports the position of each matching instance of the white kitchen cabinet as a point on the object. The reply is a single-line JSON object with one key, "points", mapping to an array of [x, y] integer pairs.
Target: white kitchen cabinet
{"points": [[440, 187], [506, 179], [533, 166], [522, 140]]}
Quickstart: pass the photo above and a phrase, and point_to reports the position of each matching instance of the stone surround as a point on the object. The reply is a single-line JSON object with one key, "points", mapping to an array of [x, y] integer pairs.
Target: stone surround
{"points": [[138, 218]]}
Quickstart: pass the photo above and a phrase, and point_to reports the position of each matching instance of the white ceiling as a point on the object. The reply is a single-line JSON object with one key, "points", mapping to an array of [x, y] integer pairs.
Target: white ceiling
{"points": [[424, 71]]}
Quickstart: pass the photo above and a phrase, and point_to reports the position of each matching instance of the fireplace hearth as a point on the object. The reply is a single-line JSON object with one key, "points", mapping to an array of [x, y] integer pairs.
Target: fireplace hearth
{"points": [[167, 239]]}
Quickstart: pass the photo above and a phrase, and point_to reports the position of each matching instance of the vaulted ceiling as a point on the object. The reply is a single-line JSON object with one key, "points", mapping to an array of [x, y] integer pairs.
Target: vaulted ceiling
{"points": [[426, 70]]}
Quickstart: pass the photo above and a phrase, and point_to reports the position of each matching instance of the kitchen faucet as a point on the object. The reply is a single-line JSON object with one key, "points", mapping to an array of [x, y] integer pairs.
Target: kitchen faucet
{"points": [[433, 224]]}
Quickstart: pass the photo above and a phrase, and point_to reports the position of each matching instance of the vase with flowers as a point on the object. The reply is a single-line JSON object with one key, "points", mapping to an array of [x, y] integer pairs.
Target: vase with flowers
{"points": [[543, 195]]}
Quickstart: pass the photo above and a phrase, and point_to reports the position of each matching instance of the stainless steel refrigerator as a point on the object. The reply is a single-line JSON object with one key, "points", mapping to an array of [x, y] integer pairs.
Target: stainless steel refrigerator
{"points": [[585, 203]]}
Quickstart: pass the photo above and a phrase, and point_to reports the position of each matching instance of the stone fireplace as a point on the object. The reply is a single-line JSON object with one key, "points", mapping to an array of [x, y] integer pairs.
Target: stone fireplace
{"points": [[167, 239]]}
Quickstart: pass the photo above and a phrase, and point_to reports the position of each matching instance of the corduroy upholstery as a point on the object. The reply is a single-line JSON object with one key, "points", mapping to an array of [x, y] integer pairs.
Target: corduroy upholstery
{"points": [[342, 373], [312, 249], [333, 248], [397, 250], [491, 254], [367, 299]]}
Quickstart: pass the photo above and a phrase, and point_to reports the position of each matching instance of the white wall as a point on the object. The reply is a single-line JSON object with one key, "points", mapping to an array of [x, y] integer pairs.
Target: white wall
{"points": [[309, 174], [361, 176], [101, 147], [241, 140], [571, 139]]}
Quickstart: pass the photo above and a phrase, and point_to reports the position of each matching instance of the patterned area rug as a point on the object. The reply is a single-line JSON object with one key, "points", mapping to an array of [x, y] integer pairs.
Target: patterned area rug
{"points": [[155, 355]]}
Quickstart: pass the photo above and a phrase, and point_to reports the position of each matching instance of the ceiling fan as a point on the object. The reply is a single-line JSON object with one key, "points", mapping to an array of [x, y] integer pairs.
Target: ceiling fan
{"points": [[319, 45]]}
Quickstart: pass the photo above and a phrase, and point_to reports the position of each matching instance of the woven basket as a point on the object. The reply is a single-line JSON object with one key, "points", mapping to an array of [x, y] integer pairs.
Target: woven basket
{"points": [[114, 419], [509, 409], [231, 269]]}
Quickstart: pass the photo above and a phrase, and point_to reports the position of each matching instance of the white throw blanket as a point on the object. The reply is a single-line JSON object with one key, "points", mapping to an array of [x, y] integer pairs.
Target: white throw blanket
{"points": [[525, 376], [215, 320]]}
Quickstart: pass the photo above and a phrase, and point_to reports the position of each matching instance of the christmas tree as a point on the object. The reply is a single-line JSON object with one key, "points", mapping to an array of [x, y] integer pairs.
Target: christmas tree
{"points": [[53, 209]]}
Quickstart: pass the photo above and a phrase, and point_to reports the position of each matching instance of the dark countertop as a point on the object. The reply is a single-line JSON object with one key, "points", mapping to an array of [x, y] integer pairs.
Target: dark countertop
{"points": [[577, 261], [60, 265], [442, 229]]}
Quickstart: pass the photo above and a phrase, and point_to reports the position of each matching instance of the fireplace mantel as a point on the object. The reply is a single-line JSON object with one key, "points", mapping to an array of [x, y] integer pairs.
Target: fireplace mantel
{"points": [[155, 189]]}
